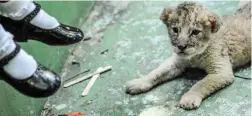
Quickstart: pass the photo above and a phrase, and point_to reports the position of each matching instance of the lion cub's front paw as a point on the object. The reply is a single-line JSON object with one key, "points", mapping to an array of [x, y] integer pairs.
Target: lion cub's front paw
{"points": [[138, 86], [190, 100]]}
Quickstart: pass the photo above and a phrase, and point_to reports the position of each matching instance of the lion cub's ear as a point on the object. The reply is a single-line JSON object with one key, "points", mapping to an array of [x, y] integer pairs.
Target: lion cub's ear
{"points": [[215, 22], [166, 14]]}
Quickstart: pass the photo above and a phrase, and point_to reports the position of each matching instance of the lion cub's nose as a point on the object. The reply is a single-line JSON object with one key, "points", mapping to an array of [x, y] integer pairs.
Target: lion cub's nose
{"points": [[181, 47]]}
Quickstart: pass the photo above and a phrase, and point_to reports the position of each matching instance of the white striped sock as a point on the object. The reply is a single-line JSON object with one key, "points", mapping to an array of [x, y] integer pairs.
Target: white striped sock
{"points": [[17, 10], [22, 65]]}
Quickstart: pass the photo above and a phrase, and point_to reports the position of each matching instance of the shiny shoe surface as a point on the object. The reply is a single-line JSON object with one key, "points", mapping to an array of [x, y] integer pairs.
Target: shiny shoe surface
{"points": [[43, 83], [24, 31]]}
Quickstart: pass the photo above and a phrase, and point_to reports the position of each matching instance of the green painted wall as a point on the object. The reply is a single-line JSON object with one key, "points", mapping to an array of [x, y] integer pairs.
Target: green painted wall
{"points": [[13, 103]]}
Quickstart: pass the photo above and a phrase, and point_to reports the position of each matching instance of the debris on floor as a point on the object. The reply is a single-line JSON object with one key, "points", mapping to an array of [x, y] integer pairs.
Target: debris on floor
{"points": [[73, 114], [74, 62], [47, 110], [60, 107], [85, 71], [105, 69], [104, 51], [91, 83]]}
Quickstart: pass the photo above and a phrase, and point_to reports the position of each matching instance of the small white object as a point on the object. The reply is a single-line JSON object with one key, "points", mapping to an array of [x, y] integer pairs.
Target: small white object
{"points": [[156, 111], [87, 77], [91, 83], [61, 106]]}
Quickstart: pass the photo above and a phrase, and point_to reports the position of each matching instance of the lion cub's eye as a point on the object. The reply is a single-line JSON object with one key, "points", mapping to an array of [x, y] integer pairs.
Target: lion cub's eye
{"points": [[195, 32], [175, 29]]}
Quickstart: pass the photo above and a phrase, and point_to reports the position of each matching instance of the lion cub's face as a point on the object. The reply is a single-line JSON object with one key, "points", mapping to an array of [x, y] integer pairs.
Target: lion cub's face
{"points": [[189, 27]]}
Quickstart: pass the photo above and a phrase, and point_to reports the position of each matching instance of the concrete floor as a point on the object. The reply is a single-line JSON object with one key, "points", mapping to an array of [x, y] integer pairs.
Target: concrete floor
{"points": [[137, 42]]}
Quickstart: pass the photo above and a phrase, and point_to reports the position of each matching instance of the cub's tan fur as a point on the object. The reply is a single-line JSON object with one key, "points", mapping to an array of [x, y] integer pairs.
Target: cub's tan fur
{"points": [[201, 39]]}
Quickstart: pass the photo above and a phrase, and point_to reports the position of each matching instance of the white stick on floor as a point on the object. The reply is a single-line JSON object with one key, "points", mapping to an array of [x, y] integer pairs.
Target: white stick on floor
{"points": [[91, 83], [86, 77]]}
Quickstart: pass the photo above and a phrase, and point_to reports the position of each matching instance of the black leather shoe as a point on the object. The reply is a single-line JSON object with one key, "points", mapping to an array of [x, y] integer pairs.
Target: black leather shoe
{"points": [[43, 83], [24, 31]]}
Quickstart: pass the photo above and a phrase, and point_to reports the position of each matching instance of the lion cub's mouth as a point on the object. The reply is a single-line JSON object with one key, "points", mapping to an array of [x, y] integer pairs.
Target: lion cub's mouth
{"points": [[182, 53]]}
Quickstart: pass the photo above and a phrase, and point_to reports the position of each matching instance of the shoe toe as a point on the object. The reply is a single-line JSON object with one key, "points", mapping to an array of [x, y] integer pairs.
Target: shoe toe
{"points": [[43, 83], [70, 34]]}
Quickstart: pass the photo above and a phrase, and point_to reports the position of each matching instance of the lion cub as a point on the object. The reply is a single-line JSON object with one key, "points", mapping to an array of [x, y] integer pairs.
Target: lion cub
{"points": [[201, 39]]}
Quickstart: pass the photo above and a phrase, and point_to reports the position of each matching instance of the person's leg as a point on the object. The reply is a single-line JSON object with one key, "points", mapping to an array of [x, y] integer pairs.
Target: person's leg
{"points": [[14, 66], [17, 10], [20, 69], [28, 16]]}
